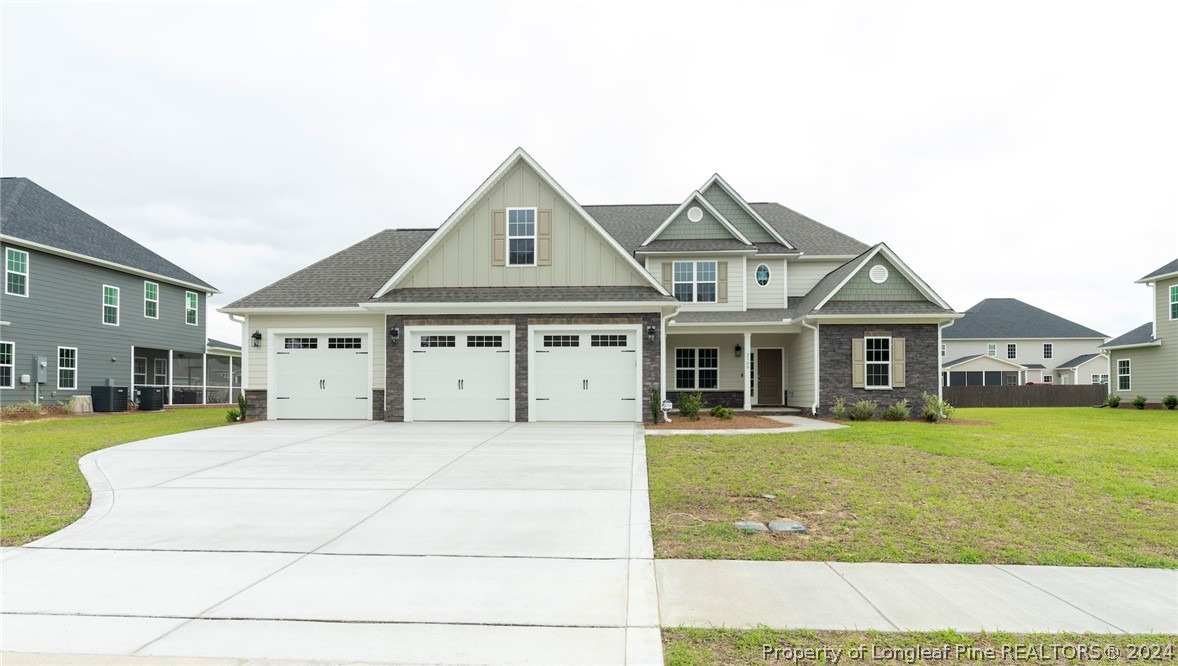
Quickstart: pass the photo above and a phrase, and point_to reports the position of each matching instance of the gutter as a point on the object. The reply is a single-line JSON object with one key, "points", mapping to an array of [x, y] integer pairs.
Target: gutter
{"points": [[817, 394], [940, 342]]}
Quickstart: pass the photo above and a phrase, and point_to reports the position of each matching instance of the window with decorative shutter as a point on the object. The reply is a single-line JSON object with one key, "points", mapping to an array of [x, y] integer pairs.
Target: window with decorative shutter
{"points": [[899, 366], [544, 238], [498, 238], [858, 364], [722, 282]]}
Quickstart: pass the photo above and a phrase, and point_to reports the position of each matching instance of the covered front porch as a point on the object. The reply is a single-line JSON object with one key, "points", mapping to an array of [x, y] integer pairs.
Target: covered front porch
{"points": [[207, 377], [741, 369]]}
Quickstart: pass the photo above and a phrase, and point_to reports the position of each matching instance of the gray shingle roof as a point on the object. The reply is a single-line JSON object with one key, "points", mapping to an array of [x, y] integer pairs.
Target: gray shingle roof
{"points": [[1169, 268], [1034, 366], [1141, 335], [631, 224], [827, 284], [1078, 361], [219, 344], [344, 279], [696, 245], [521, 295], [1011, 318], [959, 361], [880, 307], [720, 317], [33, 213]]}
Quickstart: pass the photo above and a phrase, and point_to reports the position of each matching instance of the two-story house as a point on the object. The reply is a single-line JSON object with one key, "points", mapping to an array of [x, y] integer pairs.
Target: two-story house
{"points": [[1145, 360], [526, 306], [1004, 341], [82, 303]]}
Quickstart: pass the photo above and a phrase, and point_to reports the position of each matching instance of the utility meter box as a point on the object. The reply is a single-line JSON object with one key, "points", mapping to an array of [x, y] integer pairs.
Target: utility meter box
{"points": [[41, 369]]}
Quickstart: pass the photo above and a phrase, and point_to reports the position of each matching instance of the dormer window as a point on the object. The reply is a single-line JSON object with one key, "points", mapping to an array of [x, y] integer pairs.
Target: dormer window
{"points": [[695, 281], [521, 236]]}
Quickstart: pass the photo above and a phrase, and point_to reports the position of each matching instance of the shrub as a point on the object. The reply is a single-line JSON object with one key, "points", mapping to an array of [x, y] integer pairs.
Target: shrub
{"points": [[839, 409], [1113, 400], [242, 403], [232, 416], [689, 405], [898, 411], [1139, 402], [934, 408], [1170, 401], [722, 412], [29, 407], [656, 401], [863, 410]]}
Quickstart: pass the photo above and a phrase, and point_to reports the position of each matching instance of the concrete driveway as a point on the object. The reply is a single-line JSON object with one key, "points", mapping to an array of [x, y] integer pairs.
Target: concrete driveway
{"points": [[341, 541]]}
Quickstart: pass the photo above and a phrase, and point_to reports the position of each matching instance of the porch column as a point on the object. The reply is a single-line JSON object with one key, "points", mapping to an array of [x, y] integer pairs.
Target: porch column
{"points": [[131, 391], [747, 374], [204, 374], [170, 365]]}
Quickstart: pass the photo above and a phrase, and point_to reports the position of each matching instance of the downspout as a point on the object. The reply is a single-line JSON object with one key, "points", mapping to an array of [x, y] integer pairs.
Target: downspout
{"points": [[663, 353], [940, 372], [245, 342], [814, 407]]}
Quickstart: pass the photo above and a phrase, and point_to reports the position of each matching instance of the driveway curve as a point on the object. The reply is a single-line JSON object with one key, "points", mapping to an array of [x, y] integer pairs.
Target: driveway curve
{"points": [[356, 542]]}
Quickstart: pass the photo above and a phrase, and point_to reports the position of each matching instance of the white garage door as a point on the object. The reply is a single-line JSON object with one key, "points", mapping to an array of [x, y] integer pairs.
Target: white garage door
{"points": [[460, 376], [321, 376], [585, 375]]}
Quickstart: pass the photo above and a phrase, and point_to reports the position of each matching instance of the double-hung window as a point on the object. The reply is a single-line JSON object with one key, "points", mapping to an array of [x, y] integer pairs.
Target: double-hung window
{"points": [[992, 349], [878, 362], [521, 236], [1124, 380], [160, 372], [1011, 350], [139, 376], [694, 281], [16, 272], [110, 305], [1174, 302], [697, 368], [7, 370], [151, 300], [1048, 350], [67, 368], [190, 308]]}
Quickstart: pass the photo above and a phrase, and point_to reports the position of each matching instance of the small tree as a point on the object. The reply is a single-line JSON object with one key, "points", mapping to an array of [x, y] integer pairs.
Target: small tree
{"points": [[656, 404]]}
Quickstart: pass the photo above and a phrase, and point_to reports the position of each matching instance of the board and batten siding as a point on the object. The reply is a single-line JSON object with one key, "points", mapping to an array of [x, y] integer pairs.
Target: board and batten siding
{"points": [[256, 357], [803, 275], [771, 295], [799, 369], [735, 274], [580, 255], [64, 309]]}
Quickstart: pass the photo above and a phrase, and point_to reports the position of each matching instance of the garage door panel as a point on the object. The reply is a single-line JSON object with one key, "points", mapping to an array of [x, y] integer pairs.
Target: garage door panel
{"points": [[461, 376], [591, 378], [318, 380]]}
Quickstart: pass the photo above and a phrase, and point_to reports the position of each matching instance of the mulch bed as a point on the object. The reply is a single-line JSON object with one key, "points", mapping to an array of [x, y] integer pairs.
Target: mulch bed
{"points": [[709, 422]]}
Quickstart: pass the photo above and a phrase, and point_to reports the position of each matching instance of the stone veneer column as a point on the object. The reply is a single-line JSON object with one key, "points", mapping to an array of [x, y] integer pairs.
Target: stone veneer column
{"points": [[394, 378]]}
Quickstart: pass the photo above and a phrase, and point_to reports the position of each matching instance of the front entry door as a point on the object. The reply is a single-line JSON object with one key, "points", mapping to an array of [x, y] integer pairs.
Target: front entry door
{"points": [[769, 377]]}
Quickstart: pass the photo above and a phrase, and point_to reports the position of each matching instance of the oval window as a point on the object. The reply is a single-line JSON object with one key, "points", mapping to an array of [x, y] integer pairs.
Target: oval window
{"points": [[762, 275]]}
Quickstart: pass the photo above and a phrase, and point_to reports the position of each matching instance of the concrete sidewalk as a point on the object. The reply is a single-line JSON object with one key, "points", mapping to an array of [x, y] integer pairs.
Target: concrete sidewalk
{"points": [[916, 597]]}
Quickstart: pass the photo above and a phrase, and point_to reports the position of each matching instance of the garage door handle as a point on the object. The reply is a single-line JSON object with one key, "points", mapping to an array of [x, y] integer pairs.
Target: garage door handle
{"points": [[460, 387], [322, 383], [503, 398], [630, 399]]}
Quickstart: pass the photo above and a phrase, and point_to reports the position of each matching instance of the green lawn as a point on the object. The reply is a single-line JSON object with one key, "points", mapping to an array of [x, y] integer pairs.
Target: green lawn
{"points": [[1076, 486], [730, 647], [41, 488]]}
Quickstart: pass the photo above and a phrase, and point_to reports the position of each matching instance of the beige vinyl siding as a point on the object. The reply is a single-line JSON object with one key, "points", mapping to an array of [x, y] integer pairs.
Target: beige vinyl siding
{"points": [[799, 368], [1167, 329], [778, 341], [1151, 373], [771, 295], [1030, 351], [580, 255], [256, 357], [803, 275], [729, 374], [736, 279]]}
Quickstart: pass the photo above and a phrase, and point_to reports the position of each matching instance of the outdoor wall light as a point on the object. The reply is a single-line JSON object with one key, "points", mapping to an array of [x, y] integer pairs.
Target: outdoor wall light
{"points": [[650, 333], [257, 338], [394, 335], [738, 350]]}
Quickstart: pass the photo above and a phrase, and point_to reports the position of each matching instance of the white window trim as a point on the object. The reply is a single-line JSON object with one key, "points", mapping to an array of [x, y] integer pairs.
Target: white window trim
{"points": [[992, 349], [117, 306], [867, 364], [11, 364], [75, 369], [134, 361], [1100, 378], [1173, 300], [695, 281], [696, 369], [768, 270], [944, 348], [1011, 346], [195, 308], [1128, 374], [1047, 379], [534, 236], [155, 300], [157, 378], [1048, 350], [28, 283]]}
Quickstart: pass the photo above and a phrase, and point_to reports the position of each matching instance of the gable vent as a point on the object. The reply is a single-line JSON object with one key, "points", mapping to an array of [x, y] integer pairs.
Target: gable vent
{"points": [[695, 214], [878, 274]]}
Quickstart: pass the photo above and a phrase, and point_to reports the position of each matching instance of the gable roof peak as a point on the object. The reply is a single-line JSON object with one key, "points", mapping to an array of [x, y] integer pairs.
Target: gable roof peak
{"points": [[697, 197], [718, 180]]}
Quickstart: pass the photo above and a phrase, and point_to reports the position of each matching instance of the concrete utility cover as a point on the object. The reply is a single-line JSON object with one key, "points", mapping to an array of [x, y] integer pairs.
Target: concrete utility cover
{"points": [[334, 541], [786, 526], [746, 526]]}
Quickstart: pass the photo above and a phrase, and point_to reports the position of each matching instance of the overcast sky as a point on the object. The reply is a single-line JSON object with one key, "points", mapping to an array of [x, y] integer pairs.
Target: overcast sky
{"points": [[1021, 149]]}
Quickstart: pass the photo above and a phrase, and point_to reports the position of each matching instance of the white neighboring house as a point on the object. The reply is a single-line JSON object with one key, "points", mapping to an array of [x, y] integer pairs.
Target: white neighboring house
{"points": [[1006, 341]]}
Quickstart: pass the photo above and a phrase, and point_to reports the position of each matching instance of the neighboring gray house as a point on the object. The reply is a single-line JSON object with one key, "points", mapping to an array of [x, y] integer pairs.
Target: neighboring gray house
{"points": [[1006, 341], [527, 306], [94, 305], [1144, 361]]}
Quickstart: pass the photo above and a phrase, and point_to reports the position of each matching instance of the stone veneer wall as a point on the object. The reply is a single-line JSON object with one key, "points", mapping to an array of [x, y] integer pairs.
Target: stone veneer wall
{"points": [[733, 399], [834, 350], [255, 404], [395, 355]]}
